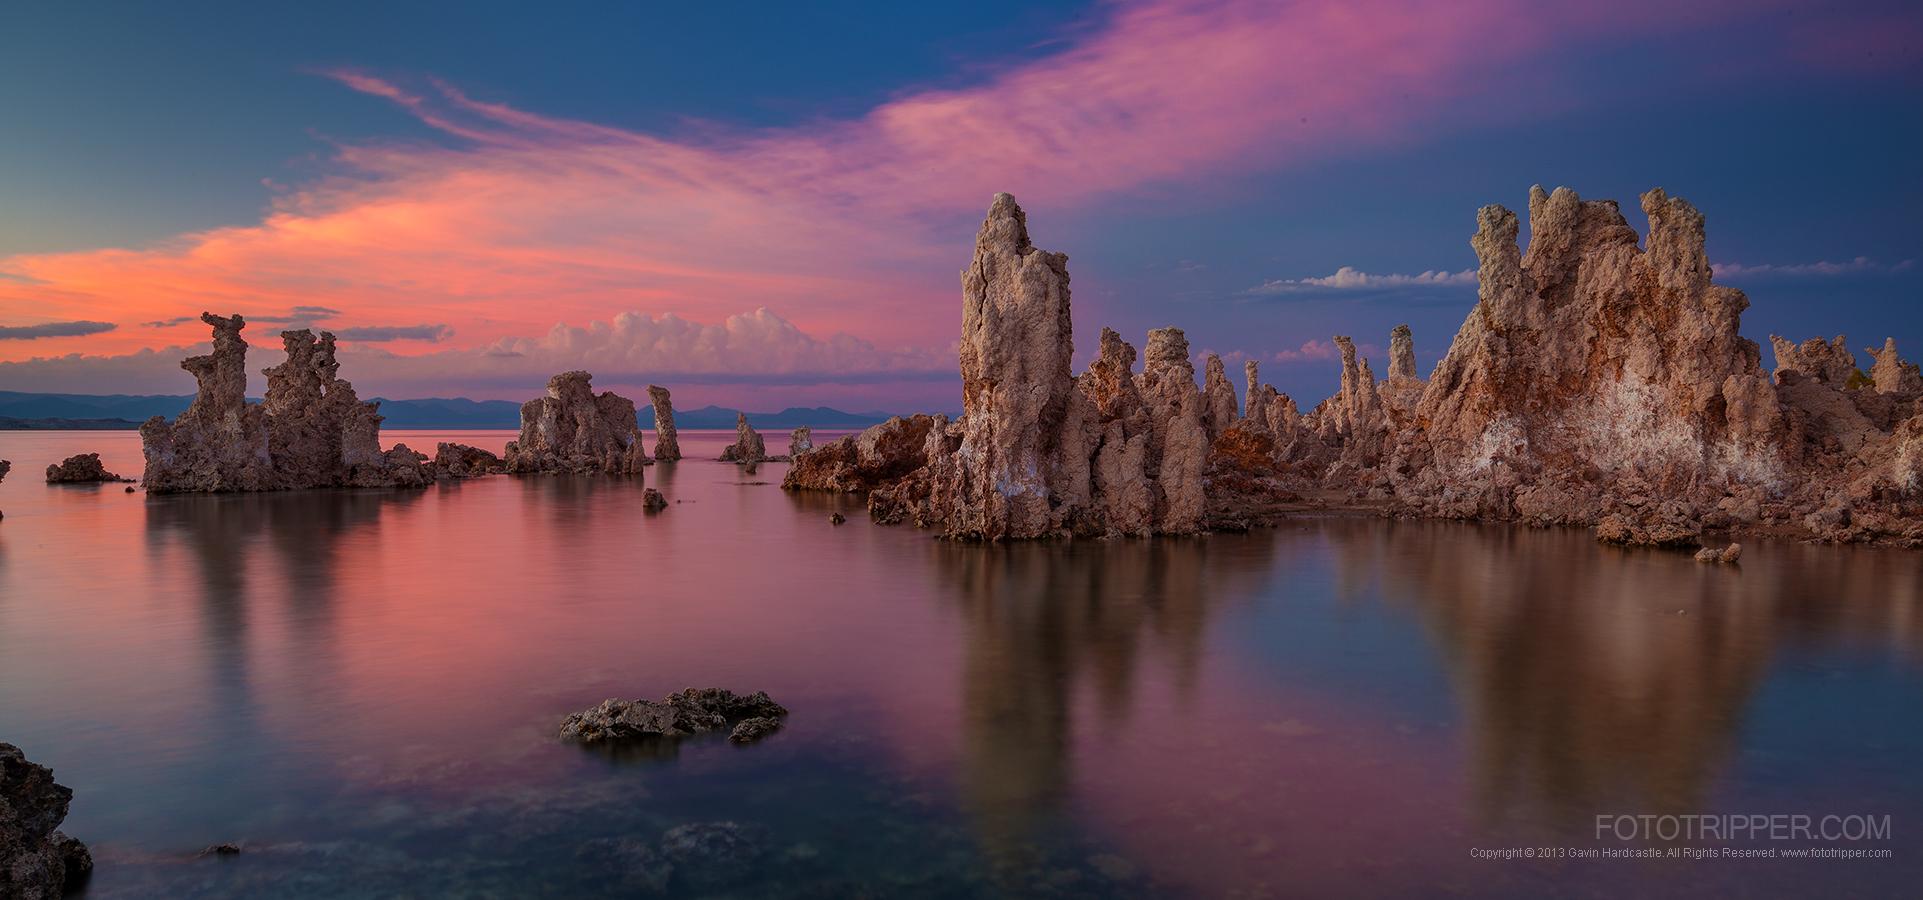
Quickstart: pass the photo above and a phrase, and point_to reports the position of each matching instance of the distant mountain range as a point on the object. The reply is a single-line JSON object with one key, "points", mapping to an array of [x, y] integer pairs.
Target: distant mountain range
{"points": [[122, 411]]}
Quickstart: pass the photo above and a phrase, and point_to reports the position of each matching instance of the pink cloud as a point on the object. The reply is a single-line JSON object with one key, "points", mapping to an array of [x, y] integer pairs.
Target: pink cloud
{"points": [[852, 226]]}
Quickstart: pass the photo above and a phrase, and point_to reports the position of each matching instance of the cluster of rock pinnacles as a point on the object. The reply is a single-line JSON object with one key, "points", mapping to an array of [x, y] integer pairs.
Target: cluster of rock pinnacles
{"points": [[1597, 381]]}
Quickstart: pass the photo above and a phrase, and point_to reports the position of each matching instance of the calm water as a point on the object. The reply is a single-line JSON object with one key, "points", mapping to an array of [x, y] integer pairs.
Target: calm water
{"points": [[361, 688]]}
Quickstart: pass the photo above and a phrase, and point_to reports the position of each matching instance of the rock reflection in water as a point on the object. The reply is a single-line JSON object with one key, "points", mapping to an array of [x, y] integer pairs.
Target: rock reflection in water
{"points": [[1596, 679], [1043, 619]]}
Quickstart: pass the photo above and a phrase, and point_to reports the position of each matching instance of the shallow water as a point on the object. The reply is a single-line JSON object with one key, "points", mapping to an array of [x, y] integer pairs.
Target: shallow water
{"points": [[361, 688]]}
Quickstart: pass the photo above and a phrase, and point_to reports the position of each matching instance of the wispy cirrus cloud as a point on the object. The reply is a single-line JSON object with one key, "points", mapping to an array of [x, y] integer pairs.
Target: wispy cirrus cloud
{"points": [[852, 226], [1861, 265], [53, 330]]}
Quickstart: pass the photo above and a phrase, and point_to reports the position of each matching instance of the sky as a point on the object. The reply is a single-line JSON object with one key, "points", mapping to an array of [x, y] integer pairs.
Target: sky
{"points": [[765, 205]]}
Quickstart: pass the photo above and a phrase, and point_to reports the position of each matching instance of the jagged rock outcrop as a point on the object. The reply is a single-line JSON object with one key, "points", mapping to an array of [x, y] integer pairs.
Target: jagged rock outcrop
{"points": [[37, 861], [81, 468], [682, 714], [748, 446], [309, 431], [1728, 554], [1021, 465], [1600, 382], [877, 457], [1890, 374], [1825, 362], [573, 430], [462, 461], [801, 441], [667, 442], [1219, 403]]}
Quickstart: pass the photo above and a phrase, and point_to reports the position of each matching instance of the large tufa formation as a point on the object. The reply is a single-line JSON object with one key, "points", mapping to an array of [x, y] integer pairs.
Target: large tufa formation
{"points": [[667, 442], [37, 862], [309, 431], [572, 430], [1598, 381]]}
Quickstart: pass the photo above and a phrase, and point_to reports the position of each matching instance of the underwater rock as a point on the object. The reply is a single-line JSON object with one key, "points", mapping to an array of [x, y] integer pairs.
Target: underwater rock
{"points": [[81, 468], [462, 461], [36, 860], [633, 864], [310, 430], [748, 447], [667, 442], [708, 855], [683, 714], [573, 430]]}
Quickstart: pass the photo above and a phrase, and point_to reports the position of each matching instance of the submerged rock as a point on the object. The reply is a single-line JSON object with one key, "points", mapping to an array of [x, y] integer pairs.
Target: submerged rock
{"points": [[573, 430], [81, 468], [708, 855], [635, 865], [37, 861], [311, 430], [684, 714], [748, 447], [667, 442]]}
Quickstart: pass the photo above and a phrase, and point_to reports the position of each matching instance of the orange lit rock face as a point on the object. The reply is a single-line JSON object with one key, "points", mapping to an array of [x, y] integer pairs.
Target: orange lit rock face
{"points": [[309, 431]]}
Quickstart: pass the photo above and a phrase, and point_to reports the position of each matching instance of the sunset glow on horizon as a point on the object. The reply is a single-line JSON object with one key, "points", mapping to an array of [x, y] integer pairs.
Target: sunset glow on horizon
{"points": [[822, 253]]}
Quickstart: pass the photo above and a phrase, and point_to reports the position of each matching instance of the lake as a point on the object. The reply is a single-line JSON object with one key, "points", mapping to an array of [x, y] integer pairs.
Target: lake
{"points": [[361, 688]]}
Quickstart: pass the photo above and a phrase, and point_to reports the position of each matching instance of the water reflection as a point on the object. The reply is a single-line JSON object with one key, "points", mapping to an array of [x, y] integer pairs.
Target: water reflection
{"points": [[1595, 679], [1041, 621]]}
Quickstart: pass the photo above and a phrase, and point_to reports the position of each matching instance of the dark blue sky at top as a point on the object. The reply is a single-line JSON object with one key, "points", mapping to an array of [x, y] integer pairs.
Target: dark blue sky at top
{"points": [[123, 124]]}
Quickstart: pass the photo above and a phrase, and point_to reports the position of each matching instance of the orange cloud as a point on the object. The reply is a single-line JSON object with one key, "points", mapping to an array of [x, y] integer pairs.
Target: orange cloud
{"points": [[844, 226]]}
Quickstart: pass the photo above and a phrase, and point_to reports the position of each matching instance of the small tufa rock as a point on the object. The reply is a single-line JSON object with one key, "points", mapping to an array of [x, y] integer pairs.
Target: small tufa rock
{"points": [[684, 714], [1728, 554], [748, 447], [750, 730], [462, 461], [837, 519], [81, 468], [221, 850], [652, 501]]}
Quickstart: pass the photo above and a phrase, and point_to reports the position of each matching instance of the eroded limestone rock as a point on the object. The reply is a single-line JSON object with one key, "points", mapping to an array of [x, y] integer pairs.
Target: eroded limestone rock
{"points": [[36, 859], [748, 446], [1219, 403], [877, 457], [573, 430], [1728, 554], [652, 501], [667, 442], [81, 468], [801, 441], [309, 431]]}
